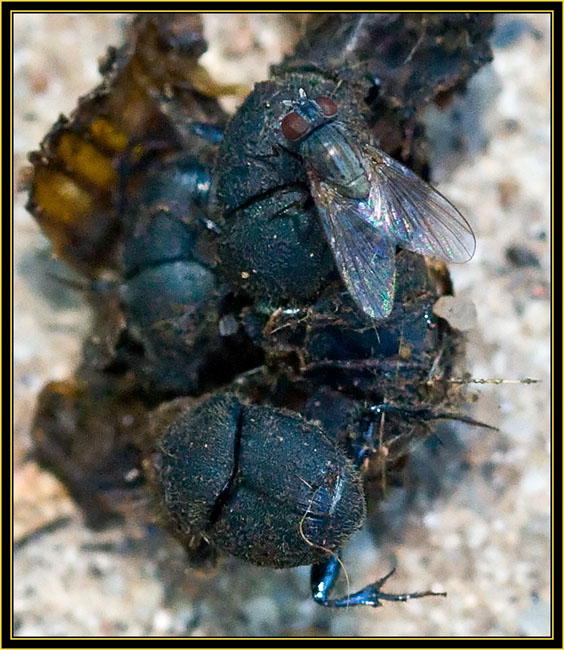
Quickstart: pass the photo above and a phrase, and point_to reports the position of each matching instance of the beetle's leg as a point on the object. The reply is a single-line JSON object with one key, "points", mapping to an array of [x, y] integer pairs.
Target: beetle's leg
{"points": [[324, 577], [362, 446], [365, 443], [422, 413]]}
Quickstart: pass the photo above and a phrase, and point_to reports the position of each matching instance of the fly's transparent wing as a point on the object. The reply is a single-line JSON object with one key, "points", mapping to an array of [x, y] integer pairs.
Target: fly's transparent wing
{"points": [[365, 257], [412, 213]]}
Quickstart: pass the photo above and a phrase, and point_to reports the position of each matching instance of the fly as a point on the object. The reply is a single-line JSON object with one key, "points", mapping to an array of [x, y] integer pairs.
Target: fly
{"points": [[369, 203]]}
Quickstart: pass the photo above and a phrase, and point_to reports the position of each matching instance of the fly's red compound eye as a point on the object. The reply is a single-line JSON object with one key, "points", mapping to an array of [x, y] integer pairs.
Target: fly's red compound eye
{"points": [[327, 105], [294, 127]]}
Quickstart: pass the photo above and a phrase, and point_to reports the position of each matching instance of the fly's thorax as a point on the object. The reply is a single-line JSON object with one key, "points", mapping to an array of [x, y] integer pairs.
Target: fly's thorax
{"points": [[334, 157]]}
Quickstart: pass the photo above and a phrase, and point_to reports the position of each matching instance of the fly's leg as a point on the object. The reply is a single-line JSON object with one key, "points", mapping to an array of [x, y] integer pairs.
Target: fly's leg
{"points": [[323, 579]]}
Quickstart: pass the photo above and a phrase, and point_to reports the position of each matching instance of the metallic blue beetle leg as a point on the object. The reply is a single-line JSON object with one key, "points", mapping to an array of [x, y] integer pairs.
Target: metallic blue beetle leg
{"points": [[362, 447], [365, 443], [323, 579]]}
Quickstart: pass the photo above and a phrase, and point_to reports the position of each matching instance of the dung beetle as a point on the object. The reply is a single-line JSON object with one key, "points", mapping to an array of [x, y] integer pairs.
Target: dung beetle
{"points": [[171, 298], [228, 291], [248, 507], [219, 465], [220, 478], [168, 294]]}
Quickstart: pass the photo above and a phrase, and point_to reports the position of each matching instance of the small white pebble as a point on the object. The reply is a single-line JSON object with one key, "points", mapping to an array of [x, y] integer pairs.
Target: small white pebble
{"points": [[458, 312]]}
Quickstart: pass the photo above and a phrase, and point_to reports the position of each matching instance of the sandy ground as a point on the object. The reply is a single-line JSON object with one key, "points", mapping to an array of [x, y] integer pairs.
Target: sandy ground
{"points": [[484, 539]]}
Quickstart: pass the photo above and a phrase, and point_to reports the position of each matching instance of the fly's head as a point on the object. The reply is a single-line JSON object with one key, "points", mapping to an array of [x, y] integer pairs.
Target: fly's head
{"points": [[307, 116]]}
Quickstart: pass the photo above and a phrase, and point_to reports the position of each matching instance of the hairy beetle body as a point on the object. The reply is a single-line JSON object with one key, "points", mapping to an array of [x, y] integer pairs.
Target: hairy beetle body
{"points": [[247, 507]]}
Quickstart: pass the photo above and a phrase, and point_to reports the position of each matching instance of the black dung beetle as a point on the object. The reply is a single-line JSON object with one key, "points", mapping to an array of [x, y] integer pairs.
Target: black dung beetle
{"points": [[241, 502], [228, 291], [272, 243], [169, 294], [247, 506]]}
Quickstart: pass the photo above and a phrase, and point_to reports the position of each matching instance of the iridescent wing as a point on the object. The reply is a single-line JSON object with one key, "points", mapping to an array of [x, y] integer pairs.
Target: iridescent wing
{"points": [[413, 214], [365, 257]]}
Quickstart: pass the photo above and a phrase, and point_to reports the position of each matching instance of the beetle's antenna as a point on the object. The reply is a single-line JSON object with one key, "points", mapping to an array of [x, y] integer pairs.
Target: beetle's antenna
{"points": [[526, 380]]}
